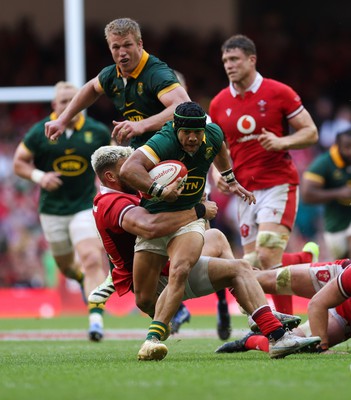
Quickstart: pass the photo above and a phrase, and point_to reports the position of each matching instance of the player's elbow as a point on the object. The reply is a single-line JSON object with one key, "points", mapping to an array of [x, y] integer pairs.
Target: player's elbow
{"points": [[313, 305], [152, 231], [314, 135], [306, 192]]}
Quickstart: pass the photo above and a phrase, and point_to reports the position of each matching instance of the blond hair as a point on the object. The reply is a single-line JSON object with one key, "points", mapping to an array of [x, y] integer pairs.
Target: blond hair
{"points": [[106, 157], [122, 27], [64, 85]]}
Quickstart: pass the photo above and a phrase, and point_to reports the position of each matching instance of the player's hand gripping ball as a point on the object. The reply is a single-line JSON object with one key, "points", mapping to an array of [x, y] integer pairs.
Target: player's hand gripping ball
{"points": [[166, 172]]}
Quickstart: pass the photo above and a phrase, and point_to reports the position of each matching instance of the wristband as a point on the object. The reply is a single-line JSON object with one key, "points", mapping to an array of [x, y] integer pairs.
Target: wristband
{"points": [[200, 210], [228, 175], [155, 189], [37, 175]]}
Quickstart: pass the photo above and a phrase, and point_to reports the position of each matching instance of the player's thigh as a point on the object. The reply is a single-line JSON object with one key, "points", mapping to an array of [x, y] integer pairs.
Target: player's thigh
{"points": [[199, 283], [56, 233], [184, 250], [337, 244], [216, 244], [301, 281], [83, 227], [337, 328]]}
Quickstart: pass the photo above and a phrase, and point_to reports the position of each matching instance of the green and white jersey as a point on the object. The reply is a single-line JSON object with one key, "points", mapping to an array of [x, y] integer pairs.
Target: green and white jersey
{"points": [[70, 156], [330, 170], [137, 97], [165, 146]]}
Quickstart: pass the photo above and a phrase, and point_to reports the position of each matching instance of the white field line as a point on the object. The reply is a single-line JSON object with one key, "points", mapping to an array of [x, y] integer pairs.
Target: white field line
{"points": [[109, 334]]}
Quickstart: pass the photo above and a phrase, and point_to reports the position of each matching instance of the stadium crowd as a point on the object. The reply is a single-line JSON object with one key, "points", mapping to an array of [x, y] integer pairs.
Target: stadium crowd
{"points": [[321, 79]]}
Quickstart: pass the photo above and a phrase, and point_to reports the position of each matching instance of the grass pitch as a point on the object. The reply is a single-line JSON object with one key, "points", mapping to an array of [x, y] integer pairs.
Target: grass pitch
{"points": [[78, 369]]}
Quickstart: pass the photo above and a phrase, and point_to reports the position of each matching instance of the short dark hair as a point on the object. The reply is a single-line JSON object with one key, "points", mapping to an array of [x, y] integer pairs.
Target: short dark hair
{"points": [[189, 115], [345, 132], [241, 42]]}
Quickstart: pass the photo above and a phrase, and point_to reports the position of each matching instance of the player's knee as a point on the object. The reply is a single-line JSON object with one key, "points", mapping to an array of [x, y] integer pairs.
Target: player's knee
{"points": [[216, 241], [243, 271], [252, 259], [91, 260], [145, 302], [283, 281], [179, 272], [269, 243], [312, 305], [270, 239]]}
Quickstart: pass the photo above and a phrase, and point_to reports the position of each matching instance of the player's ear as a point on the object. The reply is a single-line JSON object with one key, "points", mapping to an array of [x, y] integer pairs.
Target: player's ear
{"points": [[109, 176]]}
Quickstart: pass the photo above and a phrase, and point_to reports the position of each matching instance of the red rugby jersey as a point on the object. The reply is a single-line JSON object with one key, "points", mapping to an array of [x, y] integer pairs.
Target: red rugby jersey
{"points": [[267, 104], [109, 209]]}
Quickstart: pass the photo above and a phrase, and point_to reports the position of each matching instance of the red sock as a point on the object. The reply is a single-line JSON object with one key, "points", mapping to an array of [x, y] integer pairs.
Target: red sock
{"points": [[265, 320], [257, 342], [283, 303], [296, 258]]}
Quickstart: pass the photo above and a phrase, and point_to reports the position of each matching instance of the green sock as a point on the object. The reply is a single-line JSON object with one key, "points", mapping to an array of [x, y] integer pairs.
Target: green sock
{"points": [[96, 308], [156, 330]]}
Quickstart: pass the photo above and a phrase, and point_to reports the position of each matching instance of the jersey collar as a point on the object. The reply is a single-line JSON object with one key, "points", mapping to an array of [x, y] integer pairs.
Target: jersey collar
{"points": [[336, 157], [77, 126], [105, 189], [253, 88], [144, 57]]}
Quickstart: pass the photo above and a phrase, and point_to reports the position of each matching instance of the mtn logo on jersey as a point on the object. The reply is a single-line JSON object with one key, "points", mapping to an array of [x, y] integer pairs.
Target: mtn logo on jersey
{"points": [[193, 185], [246, 124], [70, 165]]}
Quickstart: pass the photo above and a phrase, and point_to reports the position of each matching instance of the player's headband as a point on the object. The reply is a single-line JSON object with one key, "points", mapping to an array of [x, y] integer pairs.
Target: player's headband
{"points": [[187, 122]]}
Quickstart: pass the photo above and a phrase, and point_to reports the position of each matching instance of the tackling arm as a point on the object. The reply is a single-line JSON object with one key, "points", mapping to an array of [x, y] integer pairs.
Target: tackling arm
{"points": [[140, 222]]}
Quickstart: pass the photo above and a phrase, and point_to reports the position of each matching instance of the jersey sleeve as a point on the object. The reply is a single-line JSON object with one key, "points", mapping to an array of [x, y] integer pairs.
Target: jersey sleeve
{"points": [[161, 146], [162, 79], [111, 209], [291, 101], [34, 137], [317, 170], [217, 134]]}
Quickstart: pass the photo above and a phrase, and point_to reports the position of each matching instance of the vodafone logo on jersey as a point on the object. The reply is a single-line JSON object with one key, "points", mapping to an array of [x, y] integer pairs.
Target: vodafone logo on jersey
{"points": [[246, 124]]}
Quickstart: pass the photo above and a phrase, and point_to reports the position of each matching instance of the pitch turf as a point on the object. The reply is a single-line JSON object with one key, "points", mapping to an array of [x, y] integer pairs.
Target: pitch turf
{"points": [[78, 369]]}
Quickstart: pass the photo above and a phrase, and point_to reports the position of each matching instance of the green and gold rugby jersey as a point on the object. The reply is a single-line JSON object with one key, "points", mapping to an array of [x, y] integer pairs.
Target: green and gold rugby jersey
{"points": [[165, 146], [71, 158], [137, 97], [330, 170]]}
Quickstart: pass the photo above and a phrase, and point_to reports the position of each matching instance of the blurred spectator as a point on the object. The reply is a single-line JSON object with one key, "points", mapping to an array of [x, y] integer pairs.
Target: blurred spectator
{"points": [[327, 182], [331, 127]]}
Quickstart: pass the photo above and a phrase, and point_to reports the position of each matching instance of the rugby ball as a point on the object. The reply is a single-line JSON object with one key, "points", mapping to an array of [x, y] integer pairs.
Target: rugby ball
{"points": [[166, 172]]}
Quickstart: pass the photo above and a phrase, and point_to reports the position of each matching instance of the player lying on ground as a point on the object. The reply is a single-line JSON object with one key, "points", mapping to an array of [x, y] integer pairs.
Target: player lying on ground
{"points": [[305, 280], [119, 219]]}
